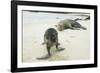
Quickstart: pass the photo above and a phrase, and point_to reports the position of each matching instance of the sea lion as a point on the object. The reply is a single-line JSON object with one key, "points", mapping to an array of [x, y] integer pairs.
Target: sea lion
{"points": [[69, 24], [50, 39]]}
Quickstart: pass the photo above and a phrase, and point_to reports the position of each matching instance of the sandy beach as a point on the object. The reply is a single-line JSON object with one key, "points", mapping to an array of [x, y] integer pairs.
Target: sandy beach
{"points": [[75, 42]]}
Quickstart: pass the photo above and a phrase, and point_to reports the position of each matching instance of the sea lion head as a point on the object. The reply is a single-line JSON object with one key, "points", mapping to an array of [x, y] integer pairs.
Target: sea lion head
{"points": [[59, 27]]}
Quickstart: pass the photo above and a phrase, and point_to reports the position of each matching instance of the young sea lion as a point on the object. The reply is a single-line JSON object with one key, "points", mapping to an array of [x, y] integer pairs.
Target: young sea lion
{"points": [[50, 39]]}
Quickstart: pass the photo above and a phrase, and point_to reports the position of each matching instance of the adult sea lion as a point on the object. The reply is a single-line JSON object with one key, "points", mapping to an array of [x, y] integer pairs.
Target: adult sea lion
{"points": [[69, 24]]}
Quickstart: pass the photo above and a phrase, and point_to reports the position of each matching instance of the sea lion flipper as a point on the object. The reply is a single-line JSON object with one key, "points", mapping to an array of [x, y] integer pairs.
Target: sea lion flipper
{"points": [[43, 43], [45, 57]]}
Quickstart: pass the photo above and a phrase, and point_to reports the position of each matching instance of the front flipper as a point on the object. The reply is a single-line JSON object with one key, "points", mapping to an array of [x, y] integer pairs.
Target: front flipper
{"points": [[58, 43], [43, 43]]}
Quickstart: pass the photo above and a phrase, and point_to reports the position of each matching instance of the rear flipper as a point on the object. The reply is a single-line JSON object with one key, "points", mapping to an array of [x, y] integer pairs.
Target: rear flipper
{"points": [[83, 28]]}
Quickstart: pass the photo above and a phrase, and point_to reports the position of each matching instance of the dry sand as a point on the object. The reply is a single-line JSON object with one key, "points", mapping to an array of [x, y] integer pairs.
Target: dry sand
{"points": [[75, 42]]}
